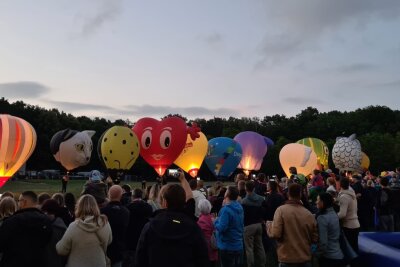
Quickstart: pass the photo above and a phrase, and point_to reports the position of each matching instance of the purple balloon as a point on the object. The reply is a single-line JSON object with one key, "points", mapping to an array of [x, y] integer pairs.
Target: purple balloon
{"points": [[254, 147]]}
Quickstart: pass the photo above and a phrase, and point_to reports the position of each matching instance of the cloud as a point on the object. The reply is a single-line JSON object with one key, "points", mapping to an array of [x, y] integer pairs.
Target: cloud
{"points": [[23, 89], [303, 101], [356, 67], [108, 11], [296, 26], [213, 39], [74, 106], [185, 111]]}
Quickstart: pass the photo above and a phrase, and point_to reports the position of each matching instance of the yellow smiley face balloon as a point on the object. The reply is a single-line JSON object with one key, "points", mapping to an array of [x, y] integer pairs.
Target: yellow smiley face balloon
{"points": [[118, 148]]}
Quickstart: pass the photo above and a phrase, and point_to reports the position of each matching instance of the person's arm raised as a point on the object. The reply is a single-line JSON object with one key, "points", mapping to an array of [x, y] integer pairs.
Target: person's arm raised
{"points": [[185, 185]]}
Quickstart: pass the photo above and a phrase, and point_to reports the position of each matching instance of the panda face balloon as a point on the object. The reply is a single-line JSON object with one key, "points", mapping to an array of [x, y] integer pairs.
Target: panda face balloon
{"points": [[72, 148]]}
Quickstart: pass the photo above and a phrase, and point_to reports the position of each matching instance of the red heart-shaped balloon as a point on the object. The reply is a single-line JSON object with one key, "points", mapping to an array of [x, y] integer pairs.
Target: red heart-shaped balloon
{"points": [[161, 142]]}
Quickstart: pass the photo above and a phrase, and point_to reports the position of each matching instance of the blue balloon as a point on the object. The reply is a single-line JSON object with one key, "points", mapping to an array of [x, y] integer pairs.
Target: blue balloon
{"points": [[223, 156], [269, 142]]}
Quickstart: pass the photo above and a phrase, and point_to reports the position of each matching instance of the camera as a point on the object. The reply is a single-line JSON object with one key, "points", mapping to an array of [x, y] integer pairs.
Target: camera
{"points": [[174, 173]]}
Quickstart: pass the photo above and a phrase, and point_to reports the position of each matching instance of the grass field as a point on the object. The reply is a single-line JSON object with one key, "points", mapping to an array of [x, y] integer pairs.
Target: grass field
{"points": [[54, 186], [50, 186]]}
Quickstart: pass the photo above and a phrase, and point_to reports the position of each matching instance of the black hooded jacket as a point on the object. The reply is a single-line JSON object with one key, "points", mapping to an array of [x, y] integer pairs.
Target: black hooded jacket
{"points": [[23, 238], [171, 239]]}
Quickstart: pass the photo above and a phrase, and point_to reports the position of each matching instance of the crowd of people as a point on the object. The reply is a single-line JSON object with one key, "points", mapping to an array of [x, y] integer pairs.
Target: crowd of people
{"points": [[258, 221]]}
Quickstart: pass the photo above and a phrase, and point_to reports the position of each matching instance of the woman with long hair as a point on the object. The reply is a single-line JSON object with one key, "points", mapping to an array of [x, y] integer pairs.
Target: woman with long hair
{"points": [[86, 239], [154, 197]]}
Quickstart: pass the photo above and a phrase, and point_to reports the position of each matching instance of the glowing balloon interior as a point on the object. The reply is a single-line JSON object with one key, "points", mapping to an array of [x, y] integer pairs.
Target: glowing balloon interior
{"points": [[365, 162], [192, 155], [118, 148], [17, 143], [300, 156], [254, 147], [320, 148], [223, 156]]}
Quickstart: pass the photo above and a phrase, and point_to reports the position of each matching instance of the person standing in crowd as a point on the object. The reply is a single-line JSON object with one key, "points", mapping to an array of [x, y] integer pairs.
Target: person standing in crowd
{"points": [[69, 200], [7, 194], [64, 183], [230, 226], [253, 217], [51, 208], [295, 229], [153, 197], [171, 238], [206, 225], [261, 184], [86, 239], [96, 188], [42, 197], [139, 214], [384, 207], [197, 195], [63, 212], [126, 198], [317, 181], [273, 200], [329, 252], [217, 203], [348, 213], [8, 207], [201, 188], [242, 189], [24, 235], [118, 217]]}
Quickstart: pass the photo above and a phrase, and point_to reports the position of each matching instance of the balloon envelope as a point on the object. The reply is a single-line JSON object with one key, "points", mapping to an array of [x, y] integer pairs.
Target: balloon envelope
{"points": [[346, 153], [193, 154], [161, 142], [17, 142], [365, 162], [118, 148], [300, 156], [72, 148], [320, 148], [254, 147], [223, 156]]}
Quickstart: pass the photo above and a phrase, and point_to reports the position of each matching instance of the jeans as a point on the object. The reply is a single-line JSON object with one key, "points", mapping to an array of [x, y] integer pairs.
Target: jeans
{"points": [[255, 254], [325, 262], [386, 223], [304, 264], [230, 258]]}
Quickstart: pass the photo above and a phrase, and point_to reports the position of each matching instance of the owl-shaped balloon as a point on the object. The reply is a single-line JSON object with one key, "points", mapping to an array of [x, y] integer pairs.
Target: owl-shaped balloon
{"points": [[346, 153]]}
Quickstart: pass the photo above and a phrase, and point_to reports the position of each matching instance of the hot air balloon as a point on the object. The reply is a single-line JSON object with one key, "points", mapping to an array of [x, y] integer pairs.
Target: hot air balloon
{"points": [[346, 153], [17, 142], [118, 149], [300, 156], [161, 142], [192, 155], [320, 148], [364, 162], [72, 148], [223, 156], [254, 147]]}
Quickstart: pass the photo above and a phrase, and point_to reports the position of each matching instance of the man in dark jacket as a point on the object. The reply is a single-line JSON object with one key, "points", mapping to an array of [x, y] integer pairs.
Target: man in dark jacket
{"points": [[253, 216], [171, 238], [118, 216], [24, 235], [140, 212], [384, 206]]}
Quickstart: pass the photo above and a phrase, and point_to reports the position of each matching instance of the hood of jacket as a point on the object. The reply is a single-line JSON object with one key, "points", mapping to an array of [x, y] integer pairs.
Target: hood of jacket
{"points": [[235, 207], [89, 224], [347, 192], [172, 225]]}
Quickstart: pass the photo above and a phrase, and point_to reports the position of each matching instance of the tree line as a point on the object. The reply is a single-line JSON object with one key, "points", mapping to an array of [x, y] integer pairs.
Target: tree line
{"points": [[377, 128]]}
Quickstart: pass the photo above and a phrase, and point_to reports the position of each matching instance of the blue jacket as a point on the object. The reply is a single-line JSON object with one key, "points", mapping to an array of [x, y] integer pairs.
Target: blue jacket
{"points": [[229, 225], [329, 232]]}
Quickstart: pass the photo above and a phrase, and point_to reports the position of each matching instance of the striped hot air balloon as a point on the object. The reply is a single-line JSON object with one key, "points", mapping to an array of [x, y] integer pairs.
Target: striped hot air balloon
{"points": [[17, 142]]}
